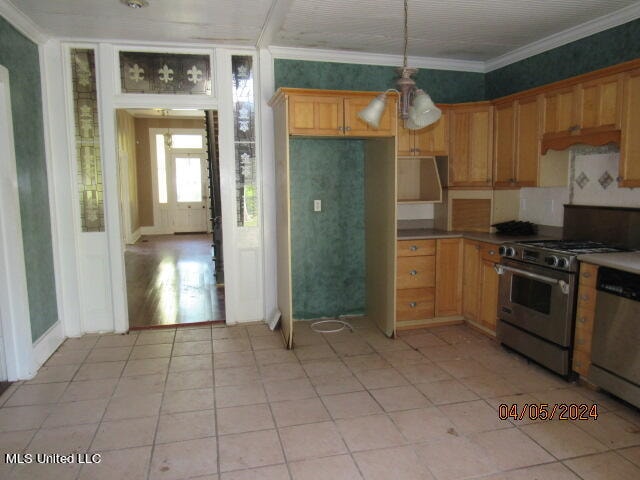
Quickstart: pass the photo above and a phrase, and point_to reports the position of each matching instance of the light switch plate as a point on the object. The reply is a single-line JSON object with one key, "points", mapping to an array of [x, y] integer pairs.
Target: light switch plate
{"points": [[317, 205]]}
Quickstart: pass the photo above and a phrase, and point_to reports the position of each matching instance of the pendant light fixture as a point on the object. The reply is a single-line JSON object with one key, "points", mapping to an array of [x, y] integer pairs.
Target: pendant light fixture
{"points": [[416, 107]]}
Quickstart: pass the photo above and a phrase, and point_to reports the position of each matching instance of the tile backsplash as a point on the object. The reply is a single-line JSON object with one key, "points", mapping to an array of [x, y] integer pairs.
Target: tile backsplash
{"points": [[593, 173]]}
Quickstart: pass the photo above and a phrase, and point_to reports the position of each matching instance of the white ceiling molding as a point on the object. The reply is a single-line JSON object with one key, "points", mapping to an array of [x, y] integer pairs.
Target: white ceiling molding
{"points": [[559, 39], [274, 22], [339, 56], [22, 23]]}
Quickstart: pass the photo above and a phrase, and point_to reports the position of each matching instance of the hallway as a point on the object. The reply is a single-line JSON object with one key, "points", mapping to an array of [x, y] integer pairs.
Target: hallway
{"points": [[229, 403], [170, 280]]}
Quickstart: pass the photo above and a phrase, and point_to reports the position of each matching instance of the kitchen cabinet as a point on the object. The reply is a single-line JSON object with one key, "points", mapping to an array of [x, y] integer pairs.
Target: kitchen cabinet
{"points": [[480, 285], [428, 281], [600, 103], [335, 114], [470, 145], [428, 141], [310, 112], [585, 313], [516, 143], [415, 281], [418, 180], [630, 140], [448, 277], [560, 112]]}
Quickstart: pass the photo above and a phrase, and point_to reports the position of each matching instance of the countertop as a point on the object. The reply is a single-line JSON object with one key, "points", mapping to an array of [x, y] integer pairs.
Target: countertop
{"points": [[433, 233], [625, 261]]}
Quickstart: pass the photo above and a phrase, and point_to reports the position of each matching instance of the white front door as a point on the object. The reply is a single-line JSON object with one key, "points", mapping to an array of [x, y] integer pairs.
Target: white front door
{"points": [[189, 177]]}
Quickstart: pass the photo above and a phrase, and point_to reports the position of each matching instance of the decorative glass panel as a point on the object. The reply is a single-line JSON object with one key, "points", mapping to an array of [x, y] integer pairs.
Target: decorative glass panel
{"points": [[162, 169], [245, 140], [148, 72], [188, 179], [85, 107], [186, 141]]}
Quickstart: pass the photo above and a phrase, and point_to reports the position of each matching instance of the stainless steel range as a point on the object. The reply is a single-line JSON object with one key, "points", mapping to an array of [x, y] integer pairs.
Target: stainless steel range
{"points": [[537, 298]]}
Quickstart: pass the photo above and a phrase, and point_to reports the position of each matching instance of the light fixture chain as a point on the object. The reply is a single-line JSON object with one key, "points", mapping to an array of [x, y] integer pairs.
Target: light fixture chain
{"points": [[406, 31]]}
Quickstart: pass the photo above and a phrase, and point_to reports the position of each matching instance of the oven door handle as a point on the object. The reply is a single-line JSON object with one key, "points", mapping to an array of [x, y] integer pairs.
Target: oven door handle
{"points": [[564, 286]]}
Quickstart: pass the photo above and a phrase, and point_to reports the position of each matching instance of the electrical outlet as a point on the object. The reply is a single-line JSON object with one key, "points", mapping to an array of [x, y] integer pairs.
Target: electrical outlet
{"points": [[317, 205]]}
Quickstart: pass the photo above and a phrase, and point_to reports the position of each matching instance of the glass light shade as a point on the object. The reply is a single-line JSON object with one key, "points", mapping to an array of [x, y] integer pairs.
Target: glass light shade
{"points": [[372, 113], [423, 111]]}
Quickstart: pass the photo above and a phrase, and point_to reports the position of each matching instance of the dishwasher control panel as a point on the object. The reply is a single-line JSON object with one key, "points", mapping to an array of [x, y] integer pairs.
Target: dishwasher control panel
{"points": [[618, 282]]}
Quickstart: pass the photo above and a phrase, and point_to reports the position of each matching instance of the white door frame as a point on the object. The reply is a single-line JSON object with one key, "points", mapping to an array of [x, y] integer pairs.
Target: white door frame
{"points": [[14, 301]]}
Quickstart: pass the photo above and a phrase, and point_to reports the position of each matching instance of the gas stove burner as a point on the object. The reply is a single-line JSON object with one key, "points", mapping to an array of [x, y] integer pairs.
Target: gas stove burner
{"points": [[574, 246], [554, 254]]}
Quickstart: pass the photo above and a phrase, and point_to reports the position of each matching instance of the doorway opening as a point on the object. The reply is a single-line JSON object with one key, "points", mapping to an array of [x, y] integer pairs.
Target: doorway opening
{"points": [[170, 216]]}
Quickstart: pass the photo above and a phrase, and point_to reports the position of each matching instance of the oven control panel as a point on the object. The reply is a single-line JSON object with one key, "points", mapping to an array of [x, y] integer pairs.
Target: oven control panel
{"points": [[538, 256]]}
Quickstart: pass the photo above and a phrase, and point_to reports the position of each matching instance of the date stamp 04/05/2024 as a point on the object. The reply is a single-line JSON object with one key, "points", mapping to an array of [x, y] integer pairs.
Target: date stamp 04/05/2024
{"points": [[548, 411]]}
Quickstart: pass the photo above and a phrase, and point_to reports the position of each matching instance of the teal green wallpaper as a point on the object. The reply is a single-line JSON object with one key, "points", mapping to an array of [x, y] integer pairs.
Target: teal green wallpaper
{"points": [[616, 45], [444, 86], [20, 56], [328, 263]]}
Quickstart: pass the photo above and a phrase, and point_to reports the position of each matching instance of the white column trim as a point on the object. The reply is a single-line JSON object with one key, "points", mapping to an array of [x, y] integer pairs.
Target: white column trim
{"points": [[14, 300]]}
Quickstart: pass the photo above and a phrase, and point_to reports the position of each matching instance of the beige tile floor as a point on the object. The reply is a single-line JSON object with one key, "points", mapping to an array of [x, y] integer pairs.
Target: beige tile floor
{"points": [[230, 403]]}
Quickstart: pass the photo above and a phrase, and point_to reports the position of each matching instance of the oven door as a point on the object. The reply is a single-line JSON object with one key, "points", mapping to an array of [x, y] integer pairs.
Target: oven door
{"points": [[537, 299]]}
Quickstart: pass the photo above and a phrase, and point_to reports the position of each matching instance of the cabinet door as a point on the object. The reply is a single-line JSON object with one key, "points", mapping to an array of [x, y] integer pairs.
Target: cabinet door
{"points": [[504, 134], [489, 296], [315, 115], [630, 148], [458, 147], [404, 141], [600, 103], [560, 116], [481, 147], [471, 280], [448, 277], [527, 142], [470, 147], [432, 140], [354, 126]]}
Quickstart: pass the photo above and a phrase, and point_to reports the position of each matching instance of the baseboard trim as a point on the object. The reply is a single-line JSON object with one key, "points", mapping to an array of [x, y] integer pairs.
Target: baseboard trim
{"points": [[48, 343], [135, 236]]}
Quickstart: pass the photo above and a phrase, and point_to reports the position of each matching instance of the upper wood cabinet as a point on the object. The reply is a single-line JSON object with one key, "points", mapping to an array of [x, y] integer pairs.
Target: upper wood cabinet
{"points": [[561, 112], [517, 143], [630, 141], [600, 103], [334, 115], [431, 140], [470, 145]]}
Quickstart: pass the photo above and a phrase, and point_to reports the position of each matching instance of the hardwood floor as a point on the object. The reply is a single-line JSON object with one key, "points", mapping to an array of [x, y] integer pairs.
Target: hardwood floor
{"points": [[170, 280]]}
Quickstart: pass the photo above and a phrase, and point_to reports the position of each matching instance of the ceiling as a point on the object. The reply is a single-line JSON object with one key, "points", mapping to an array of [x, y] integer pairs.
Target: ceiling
{"points": [[474, 30]]}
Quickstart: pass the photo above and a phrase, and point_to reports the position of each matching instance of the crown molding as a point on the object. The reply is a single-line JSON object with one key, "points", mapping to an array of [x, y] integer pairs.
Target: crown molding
{"points": [[22, 23], [339, 56], [569, 35]]}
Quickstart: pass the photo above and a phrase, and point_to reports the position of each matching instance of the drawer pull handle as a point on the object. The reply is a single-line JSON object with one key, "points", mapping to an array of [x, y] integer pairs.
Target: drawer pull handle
{"points": [[413, 305], [582, 319], [413, 273], [586, 274], [584, 296], [413, 248], [492, 252]]}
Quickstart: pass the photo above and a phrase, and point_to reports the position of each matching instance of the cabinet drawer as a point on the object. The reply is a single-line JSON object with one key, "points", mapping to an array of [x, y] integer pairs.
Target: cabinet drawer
{"points": [[489, 252], [413, 248], [581, 362], [416, 272], [588, 274], [414, 303]]}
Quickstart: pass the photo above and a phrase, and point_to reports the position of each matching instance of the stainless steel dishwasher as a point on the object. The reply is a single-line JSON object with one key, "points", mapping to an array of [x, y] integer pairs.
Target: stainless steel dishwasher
{"points": [[615, 354]]}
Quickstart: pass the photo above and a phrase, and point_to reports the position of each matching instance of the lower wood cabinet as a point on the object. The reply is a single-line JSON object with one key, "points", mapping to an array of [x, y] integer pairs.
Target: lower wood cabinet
{"points": [[428, 281], [480, 284], [585, 313]]}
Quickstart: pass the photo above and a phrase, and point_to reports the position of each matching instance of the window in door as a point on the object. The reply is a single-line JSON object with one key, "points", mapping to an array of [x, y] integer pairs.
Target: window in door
{"points": [[188, 179]]}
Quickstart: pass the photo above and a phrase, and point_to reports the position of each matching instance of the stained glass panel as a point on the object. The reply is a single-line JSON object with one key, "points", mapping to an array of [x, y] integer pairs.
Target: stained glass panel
{"points": [[148, 72], [245, 140], [87, 136]]}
